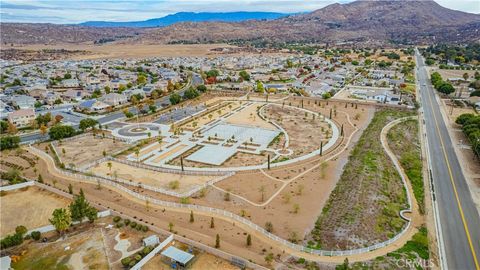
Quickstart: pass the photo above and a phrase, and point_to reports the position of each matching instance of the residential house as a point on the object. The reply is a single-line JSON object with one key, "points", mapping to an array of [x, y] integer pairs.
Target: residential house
{"points": [[114, 99], [23, 102], [22, 118], [92, 105], [131, 92], [74, 95], [71, 83]]}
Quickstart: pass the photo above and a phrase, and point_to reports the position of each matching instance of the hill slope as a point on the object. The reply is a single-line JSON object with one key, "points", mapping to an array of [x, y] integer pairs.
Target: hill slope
{"points": [[361, 22]]}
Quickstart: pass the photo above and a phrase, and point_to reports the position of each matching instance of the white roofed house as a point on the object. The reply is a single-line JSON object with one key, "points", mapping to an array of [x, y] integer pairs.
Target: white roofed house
{"points": [[22, 118], [51, 97], [131, 92], [70, 83], [23, 102], [114, 99]]}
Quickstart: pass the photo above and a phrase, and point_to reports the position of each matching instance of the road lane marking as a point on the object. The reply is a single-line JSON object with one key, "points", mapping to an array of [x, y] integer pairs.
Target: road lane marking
{"points": [[465, 225]]}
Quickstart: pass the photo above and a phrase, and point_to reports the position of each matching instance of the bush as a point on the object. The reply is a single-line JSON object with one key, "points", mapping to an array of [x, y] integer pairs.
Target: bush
{"points": [[119, 225], [36, 235], [126, 221], [139, 227], [116, 219], [133, 224], [11, 240], [21, 230], [61, 131], [145, 228], [126, 261], [147, 249], [9, 142]]}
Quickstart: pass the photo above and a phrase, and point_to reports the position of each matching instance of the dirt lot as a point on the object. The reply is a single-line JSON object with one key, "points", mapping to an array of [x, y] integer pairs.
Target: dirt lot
{"points": [[249, 116], [132, 51], [81, 251], [304, 132], [449, 73], [206, 118], [36, 208], [202, 261], [84, 150], [149, 177], [20, 160]]}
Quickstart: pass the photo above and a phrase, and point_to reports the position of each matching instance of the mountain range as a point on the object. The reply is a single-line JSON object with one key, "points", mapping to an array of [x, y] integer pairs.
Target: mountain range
{"points": [[362, 22], [191, 17]]}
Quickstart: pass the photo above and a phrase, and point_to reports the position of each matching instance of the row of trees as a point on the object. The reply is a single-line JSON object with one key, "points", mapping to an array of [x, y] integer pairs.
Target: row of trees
{"points": [[190, 93], [78, 210], [441, 85], [9, 142], [471, 128]]}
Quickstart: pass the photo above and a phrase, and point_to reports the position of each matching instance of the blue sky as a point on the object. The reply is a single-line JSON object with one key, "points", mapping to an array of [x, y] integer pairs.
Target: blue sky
{"points": [[69, 11]]}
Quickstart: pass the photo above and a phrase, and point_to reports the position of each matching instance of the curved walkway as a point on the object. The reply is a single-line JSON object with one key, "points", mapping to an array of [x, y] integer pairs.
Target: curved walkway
{"points": [[285, 183], [259, 232]]}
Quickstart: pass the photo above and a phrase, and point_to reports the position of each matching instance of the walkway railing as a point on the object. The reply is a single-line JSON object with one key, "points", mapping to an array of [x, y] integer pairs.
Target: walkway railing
{"points": [[226, 214]]}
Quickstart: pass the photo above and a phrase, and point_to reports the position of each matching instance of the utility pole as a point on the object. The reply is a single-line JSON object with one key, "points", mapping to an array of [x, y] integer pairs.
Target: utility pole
{"points": [[321, 147], [269, 162]]}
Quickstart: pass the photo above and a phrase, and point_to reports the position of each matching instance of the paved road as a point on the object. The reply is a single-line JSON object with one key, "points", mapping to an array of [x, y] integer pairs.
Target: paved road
{"points": [[458, 216], [75, 119]]}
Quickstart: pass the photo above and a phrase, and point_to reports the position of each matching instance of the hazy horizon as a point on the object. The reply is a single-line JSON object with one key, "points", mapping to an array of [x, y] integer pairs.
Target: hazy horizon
{"points": [[54, 11]]}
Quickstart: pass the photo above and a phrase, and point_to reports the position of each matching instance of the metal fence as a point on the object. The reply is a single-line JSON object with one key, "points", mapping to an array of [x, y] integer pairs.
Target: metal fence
{"points": [[17, 186], [230, 215]]}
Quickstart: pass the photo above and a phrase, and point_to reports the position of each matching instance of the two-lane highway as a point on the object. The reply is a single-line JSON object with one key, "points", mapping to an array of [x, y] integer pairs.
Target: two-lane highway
{"points": [[458, 217]]}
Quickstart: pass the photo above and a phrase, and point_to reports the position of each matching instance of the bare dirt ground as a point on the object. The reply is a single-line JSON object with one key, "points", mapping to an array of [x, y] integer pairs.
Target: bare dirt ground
{"points": [[209, 117], [83, 150], [148, 177], [202, 261], [36, 207], [132, 51], [237, 160], [249, 116], [77, 252], [449, 73], [20, 160], [232, 235], [305, 132]]}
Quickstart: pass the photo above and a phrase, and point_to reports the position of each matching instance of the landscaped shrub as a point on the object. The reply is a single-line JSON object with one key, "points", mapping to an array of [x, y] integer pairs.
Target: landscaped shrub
{"points": [[133, 224], [145, 228], [139, 227], [11, 240], [116, 219], [21, 229], [36, 235], [126, 221], [119, 225], [126, 261]]}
